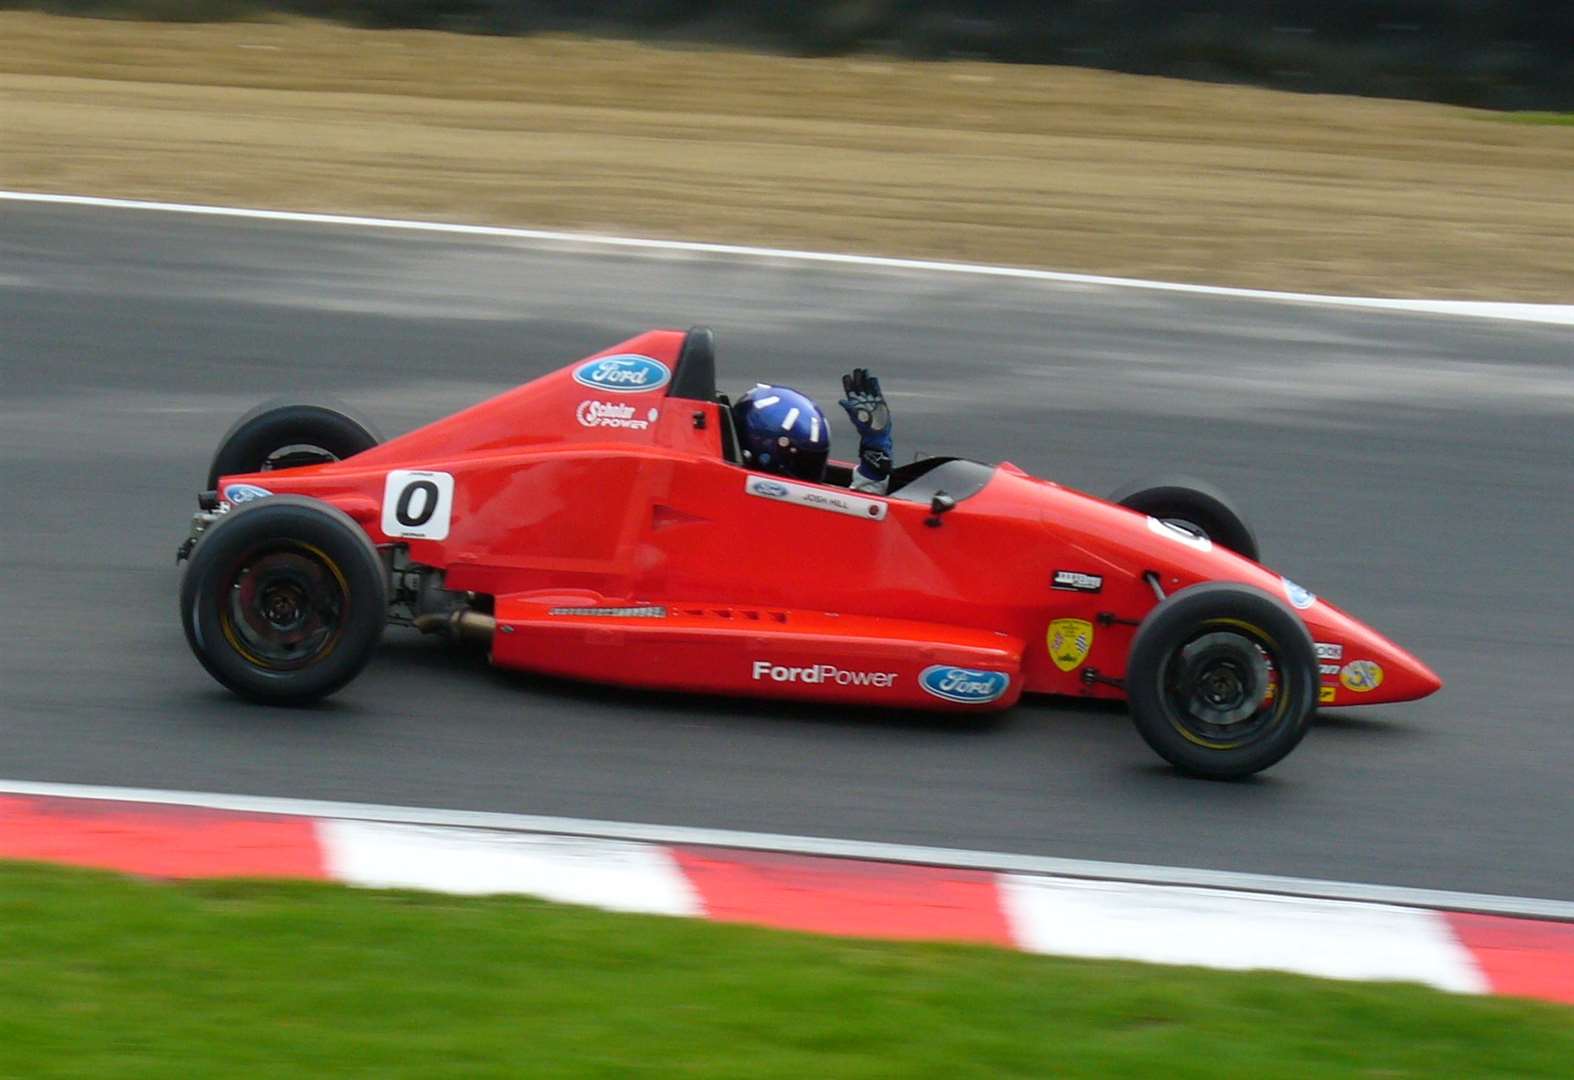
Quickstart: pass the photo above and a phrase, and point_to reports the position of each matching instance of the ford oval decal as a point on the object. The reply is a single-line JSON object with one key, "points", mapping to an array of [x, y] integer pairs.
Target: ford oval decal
{"points": [[626, 373], [966, 685], [1299, 598], [771, 489], [244, 493]]}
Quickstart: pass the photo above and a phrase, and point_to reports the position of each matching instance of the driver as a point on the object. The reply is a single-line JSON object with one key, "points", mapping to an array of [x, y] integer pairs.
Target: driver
{"points": [[783, 431]]}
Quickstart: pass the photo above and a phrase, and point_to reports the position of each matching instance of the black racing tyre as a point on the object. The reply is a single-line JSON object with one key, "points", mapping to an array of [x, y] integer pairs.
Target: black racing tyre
{"points": [[284, 433], [1195, 506], [284, 599], [1222, 680]]}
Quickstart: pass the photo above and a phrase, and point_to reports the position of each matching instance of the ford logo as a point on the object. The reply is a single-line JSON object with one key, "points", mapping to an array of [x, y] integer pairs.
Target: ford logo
{"points": [[244, 493], [771, 488], [1300, 599], [964, 684], [627, 373]]}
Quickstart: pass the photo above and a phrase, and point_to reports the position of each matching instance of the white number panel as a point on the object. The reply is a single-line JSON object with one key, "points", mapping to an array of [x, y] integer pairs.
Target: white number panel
{"points": [[417, 504]]}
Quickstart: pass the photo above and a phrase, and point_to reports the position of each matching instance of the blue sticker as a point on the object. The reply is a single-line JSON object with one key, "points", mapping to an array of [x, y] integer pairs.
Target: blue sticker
{"points": [[966, 685], [1300, 599], [769, 488], [244, 493], [626, 373]]}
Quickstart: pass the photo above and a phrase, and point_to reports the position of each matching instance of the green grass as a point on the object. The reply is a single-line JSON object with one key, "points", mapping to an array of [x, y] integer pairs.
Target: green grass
{"points": [[103, 976], [1560, 118]]}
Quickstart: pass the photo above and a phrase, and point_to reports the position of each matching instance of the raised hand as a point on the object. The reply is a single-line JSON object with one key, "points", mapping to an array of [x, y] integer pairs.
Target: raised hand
{"points": [[864, 403], [870, 415]]}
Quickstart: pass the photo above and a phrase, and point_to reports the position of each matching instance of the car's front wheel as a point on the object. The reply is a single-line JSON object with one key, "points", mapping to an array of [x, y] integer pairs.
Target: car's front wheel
{"points": [[1222, 680], [284, 599]]}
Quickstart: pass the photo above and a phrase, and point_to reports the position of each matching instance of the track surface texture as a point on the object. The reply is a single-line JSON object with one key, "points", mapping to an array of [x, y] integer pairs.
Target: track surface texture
{"points": [[1412, 468]]}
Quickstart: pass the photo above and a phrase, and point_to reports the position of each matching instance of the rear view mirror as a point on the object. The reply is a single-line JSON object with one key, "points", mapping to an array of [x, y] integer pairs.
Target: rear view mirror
{"points": [[940, 504]]}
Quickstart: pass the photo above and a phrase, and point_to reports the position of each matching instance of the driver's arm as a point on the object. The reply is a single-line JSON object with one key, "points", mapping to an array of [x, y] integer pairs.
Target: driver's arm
{"points": [[867, 409]]}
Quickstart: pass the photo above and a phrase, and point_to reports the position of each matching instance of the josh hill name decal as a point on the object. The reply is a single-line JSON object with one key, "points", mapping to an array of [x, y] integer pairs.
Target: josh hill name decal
{"points": [[767, 487]]}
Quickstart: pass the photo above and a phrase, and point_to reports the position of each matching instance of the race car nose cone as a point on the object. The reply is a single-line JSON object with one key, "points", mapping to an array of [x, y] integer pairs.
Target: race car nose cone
{"points": [[1428, 679], [1360, 666], [1407, 677]]}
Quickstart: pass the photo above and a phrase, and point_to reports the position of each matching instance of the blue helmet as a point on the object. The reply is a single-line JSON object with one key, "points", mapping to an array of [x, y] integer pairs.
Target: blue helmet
{"points": [[782, 431]]}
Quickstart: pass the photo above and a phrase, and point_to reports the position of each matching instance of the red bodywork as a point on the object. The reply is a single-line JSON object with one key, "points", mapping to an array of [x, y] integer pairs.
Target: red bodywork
{"points": [[620, 545]]}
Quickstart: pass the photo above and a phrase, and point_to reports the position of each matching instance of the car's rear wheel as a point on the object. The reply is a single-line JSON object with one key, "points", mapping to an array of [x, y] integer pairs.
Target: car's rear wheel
{"points": [[284, 599], [1194, 506], [1222, 680], [285, 434]]}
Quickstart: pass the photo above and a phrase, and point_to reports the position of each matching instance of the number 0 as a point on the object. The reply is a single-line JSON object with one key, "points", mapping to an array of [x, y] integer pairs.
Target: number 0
{"points": [[428, 504], [417, 504]]}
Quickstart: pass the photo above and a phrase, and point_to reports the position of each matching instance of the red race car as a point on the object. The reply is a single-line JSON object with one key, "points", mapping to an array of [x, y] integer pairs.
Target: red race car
{"points": [[597, 523]]}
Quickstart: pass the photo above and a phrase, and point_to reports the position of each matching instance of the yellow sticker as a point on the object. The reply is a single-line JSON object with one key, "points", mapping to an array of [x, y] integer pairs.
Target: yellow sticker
{"points": [[1325, 694], [1362, 676], [1069, 642]]}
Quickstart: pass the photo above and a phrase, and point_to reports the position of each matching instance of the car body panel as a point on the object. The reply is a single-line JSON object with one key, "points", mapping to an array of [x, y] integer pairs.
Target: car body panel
{"points": [[593, 487]]}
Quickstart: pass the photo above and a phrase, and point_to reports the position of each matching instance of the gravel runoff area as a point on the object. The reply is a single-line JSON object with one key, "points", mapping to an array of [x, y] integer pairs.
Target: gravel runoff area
{"points": [[1054, 167]]}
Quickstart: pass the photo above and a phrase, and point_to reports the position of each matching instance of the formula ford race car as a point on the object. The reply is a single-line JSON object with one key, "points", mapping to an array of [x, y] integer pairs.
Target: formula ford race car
{"points": [[598, 524]]}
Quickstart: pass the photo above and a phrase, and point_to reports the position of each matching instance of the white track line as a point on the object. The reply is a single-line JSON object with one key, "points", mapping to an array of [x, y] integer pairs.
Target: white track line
{"points": [[1556, 314], [809, 845]]}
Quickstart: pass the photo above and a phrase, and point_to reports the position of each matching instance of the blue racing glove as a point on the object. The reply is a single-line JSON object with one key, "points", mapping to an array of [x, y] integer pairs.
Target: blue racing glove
{"points": [[867, 409]]}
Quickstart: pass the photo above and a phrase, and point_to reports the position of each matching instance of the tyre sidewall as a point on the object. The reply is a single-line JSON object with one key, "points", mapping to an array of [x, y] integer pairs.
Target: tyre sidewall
{"points": [[1169, 625], [273, 425], [1197, 503], [301, 520]]}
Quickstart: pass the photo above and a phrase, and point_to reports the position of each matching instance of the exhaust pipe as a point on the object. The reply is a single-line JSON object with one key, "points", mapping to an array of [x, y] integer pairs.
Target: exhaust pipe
{"points": [[461, 625]]}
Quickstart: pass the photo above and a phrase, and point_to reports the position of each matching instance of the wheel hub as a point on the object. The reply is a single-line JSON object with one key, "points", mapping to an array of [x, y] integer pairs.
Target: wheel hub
{"points": [[1222, 688], [285, 608], [1224, 678], [282, 606]]}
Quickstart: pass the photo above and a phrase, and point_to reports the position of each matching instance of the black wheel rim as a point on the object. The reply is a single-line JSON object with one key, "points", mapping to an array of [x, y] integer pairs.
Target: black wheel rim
{"points": [[284, 608], [1220, 687], [297, 454]]}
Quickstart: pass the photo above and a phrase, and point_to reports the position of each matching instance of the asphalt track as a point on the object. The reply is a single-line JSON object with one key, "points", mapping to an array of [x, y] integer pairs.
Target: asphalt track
{"points": [[1413, 468]]}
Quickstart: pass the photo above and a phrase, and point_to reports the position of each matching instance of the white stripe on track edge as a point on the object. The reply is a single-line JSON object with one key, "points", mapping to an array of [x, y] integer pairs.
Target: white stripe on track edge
{"points": [[1238, 931], [1002, 862], [618, 875], [1555, 314]]}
